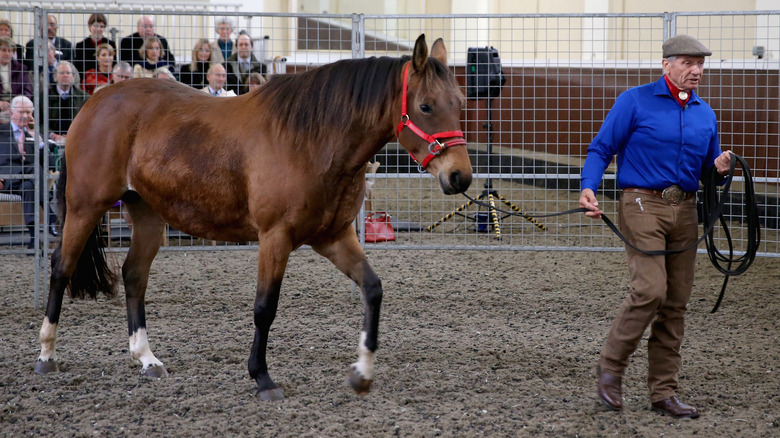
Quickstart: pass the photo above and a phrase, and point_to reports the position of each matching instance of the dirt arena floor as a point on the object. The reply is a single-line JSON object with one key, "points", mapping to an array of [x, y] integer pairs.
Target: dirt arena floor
{"points": [[472, 343]]}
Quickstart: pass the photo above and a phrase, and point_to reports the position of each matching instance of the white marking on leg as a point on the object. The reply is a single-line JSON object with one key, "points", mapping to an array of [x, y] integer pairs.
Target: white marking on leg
{"points": [[47, 336], [140, 351], [365, 364]]}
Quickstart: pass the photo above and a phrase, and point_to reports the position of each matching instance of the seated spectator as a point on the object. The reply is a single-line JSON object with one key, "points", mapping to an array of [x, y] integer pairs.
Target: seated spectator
{"points": [[84, 58], [244, 62], [216, 78], [224, 28], [17, 149], [204, 54], [102, 74], [122, 71], [51, 63], [255, 81], [65, 100], [130, 45], [153, 57], [63, 48], [163, 73], [14, 77], [7, 31]]}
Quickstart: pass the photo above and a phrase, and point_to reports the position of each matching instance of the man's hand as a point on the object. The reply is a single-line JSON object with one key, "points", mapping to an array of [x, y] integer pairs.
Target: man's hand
{"points": [[588, 200], [723, 163]]}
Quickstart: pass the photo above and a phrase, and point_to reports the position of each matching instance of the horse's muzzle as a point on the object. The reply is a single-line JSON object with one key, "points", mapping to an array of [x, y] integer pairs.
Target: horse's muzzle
{"points": [[454, 182]]}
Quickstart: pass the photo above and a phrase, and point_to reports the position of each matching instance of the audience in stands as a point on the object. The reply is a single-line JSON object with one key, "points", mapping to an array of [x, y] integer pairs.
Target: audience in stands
{"points": [[65, 100], [216, 78], [63, 48], [130, 45], [17, 151], [243, 62], [224, 28], [255, 80], [14, 76], [7, 31], [204, 54], [153, 56], [101, 75], [84, 57]]}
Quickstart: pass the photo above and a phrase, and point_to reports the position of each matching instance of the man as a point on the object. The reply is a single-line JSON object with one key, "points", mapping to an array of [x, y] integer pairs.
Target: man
{"points": [[216, 78], [121, 72], [65, 100], [243, 62], [17, 157], [664, 136], [84, 54], [130, 44], [62, 47]]}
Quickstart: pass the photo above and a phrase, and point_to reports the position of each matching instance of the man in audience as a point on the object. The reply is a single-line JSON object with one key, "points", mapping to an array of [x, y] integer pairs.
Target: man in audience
{"points": [[243, 62], [84, 54], [217, 78], [63, 49], [17, 157], [130, 44], [14, 78], [65, 100], [121, 72]]}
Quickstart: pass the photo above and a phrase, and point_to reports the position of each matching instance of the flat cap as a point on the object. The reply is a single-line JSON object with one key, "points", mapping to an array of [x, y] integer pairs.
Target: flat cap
{"points": [[684, 45]]}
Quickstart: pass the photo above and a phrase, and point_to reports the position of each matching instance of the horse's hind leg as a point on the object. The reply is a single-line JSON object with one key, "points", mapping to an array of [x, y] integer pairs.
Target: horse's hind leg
{"points": [[77, 230], [273, 256], [145, 242], [345, 252]]}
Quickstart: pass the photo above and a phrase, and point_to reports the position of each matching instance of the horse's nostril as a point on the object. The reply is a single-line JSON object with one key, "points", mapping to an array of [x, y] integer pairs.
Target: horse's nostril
{"points": [[459, 182]]}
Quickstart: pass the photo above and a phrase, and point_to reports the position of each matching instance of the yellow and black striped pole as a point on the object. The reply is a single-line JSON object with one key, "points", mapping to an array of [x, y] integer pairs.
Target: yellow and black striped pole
{"points": [[450, 215], [518, 210]]}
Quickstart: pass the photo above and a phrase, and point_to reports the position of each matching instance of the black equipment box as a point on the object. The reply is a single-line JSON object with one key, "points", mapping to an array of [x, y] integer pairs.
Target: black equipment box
{"points": [[484, 75]]}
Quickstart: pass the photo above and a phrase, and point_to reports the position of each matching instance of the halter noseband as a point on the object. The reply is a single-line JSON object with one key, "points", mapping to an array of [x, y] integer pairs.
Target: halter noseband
{"points": [[435, 147]]}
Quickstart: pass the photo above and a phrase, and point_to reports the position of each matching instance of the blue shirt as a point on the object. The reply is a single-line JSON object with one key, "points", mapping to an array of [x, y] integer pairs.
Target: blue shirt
{"points": [[658, 142]]}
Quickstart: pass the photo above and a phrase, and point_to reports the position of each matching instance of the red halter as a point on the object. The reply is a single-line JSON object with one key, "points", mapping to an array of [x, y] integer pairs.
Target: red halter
{"points": [[435, 147]]}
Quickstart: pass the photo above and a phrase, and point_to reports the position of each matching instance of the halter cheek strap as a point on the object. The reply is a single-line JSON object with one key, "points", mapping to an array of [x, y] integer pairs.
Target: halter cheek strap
{"points": [[435, 147]]}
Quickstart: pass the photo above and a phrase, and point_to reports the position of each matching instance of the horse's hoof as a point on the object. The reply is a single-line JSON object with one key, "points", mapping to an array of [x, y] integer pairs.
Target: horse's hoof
{"points": [[155, 371], [358, 383], [46, 366], [273, 394]]}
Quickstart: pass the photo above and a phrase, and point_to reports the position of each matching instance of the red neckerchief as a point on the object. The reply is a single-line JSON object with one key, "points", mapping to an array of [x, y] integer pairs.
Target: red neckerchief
{"points": [[676, 91]]}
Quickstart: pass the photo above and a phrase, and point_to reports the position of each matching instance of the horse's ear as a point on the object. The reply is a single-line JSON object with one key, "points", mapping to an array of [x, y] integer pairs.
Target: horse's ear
{"points": [[420, 54], [439, 52]]}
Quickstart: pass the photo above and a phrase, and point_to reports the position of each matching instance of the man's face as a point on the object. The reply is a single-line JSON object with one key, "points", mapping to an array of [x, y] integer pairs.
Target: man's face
{"points": [[22, 114], [244, 46], [146, 27], [63, 76], [5, 30], [51, 27], [685, 72], [6, 54], [51, 55], [217, 77], [119, 76]]}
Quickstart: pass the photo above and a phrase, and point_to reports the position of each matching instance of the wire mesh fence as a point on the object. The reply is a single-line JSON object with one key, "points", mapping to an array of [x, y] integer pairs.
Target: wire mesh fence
{"points": [[527, 137]]}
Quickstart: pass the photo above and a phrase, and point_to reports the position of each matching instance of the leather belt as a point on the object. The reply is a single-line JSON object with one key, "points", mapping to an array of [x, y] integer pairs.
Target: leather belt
{"points": [[673, 194]]}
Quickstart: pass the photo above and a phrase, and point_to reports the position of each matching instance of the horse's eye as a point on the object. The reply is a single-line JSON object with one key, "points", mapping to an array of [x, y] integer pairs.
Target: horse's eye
{"points": [[425, 108]]}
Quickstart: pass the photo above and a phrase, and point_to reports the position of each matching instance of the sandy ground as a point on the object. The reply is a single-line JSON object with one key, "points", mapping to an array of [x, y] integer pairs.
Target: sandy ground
{"points": [[472, 343]]}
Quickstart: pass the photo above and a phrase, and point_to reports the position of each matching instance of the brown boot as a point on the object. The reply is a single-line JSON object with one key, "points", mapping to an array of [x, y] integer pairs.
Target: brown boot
{"points": [[610, 390], [673, 407]]}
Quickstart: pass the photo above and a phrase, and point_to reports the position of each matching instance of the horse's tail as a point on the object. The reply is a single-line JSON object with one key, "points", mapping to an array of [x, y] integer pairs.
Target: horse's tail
{"points": [[92, 274]]}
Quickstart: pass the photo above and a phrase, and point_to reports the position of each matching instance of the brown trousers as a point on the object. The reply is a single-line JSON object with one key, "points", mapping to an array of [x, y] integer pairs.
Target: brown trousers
{"points": [[660, 287]]}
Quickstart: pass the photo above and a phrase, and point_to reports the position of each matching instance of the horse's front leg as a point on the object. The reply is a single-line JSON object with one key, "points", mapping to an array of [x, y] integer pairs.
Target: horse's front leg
{"points": [[345, 252], [273, 257]]}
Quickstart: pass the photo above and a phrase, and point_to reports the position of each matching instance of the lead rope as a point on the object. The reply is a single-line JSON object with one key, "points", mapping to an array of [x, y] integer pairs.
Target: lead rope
{"points": [[712, 213]]}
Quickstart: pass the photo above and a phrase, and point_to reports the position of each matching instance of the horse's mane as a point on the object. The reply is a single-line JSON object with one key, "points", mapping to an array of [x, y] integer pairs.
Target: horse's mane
{"points": [[325, 102]]}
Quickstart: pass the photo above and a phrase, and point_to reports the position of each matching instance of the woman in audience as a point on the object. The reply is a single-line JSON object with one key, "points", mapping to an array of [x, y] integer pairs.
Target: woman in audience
{"points": [[7, 31], [86, 49], [152, 53], [224, 28], [204, 53], [255, 80], [101, 75]]}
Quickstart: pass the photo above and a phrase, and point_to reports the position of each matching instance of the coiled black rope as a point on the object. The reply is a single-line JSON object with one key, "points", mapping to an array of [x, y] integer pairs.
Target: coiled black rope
{"points": [[713, 206]]}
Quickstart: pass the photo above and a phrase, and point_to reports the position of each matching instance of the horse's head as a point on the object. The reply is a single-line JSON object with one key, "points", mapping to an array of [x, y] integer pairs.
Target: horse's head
{"points": [[430, 117]]}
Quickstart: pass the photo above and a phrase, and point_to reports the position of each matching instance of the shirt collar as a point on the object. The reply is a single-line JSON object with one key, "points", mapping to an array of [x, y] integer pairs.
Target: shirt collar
{"points": [[662, 89]]}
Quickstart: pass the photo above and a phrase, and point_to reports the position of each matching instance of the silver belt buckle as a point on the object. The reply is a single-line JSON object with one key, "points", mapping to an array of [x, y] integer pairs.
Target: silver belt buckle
{"points": [[673, 194]]}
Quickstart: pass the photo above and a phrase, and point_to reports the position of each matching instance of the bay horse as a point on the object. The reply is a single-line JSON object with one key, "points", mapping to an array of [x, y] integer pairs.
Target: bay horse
{"points": [[283, 165]]}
